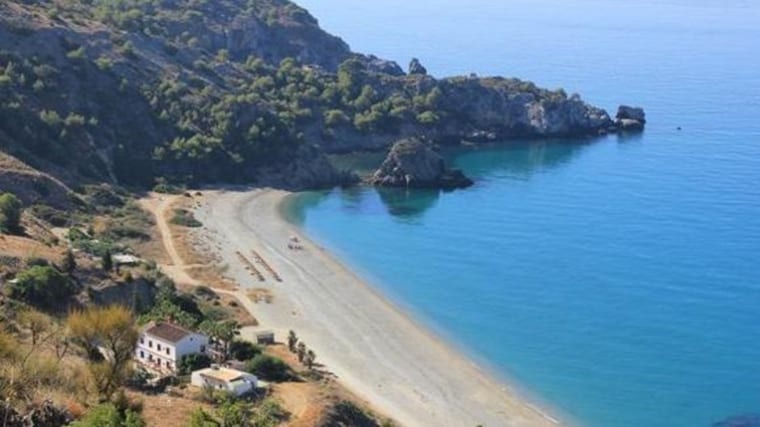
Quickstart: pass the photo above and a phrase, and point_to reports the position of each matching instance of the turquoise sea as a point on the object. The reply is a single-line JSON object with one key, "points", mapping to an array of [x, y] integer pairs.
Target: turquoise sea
{"points": [[617, 279]]}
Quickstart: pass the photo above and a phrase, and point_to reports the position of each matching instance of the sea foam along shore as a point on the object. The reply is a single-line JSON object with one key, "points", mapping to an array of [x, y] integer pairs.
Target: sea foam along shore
{"points": [[372, 347]]}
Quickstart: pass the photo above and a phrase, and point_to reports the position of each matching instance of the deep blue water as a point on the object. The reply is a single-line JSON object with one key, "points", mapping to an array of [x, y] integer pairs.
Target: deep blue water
{"points": [[617, 279]]}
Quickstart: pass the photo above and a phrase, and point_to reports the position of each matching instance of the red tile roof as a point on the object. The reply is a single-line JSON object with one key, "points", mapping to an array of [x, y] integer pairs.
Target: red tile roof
{"points": [[167, 331]]}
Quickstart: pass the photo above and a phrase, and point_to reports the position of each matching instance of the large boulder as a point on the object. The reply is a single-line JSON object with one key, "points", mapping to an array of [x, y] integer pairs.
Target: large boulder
{"points": [[415, 67], [381, 66], [413, 163], [630, 118]]}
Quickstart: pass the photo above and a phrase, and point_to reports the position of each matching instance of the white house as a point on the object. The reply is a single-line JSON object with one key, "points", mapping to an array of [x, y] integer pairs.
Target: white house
{"points": [[161, 346], [219, 378]]}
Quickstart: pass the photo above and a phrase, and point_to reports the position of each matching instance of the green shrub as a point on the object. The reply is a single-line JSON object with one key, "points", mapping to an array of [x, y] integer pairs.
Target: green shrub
{"points": [[74, 120], [42, 286], [108, 415], [38, 86], [103, 195], [165, 188], [428, 118], [125, 230], [104, 63], [86, 243], [244, 350], [193, 362], [205, 292], [201, 418], [37, 261], [185, 218], [76, 54], [334, 118], [75, 234], [269, 414], [10, 213], [51, 118], [268, 368], [128, 50]]}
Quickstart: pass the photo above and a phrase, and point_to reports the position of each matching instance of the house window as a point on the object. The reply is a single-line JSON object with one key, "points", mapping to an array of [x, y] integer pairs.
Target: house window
{"points": [[167, 350], [168, 364], [142, 340], [158, 346], [150, 357], [142, 355], [150, 343]]}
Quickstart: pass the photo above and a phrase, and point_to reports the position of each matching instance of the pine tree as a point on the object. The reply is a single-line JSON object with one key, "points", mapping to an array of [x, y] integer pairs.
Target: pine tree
{"points": [[107, 261], [69, 263]]}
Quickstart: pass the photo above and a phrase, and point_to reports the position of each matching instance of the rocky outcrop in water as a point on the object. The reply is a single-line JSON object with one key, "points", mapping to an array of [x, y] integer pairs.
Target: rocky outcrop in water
{"points": [[413, 163], [746, 420], [630, 118]]}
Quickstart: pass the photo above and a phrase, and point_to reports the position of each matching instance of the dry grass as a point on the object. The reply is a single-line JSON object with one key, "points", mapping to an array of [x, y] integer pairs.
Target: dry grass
{"points": [[40, 372], [185, 237], [169, 409], [309, 401], [24, 247], [306, 402], [151, 249], [11, 163], [211, 275], [237, 311], [183, 241], [199, 260], [258, 295]]}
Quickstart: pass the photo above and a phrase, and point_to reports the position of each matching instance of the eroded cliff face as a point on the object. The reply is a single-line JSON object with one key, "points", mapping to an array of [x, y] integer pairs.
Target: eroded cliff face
{"points": [[286, 32]]}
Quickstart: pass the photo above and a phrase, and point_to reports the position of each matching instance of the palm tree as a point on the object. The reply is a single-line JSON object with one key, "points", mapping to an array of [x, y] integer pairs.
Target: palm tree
{"points": [[292, 340], [309, 359], [223, 332], [301, 349]]}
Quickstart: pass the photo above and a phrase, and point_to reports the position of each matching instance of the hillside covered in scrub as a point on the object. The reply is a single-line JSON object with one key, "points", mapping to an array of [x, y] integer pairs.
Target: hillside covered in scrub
{"points": [[198, 91]]}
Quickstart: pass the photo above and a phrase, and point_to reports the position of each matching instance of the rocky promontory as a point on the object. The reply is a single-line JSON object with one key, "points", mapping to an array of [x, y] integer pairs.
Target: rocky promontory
{"points": [[235, 91], [412, 163]]}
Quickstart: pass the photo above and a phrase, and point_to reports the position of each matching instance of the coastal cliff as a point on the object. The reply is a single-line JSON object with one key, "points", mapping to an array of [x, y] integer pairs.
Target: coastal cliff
{"points": [[130, 92]]}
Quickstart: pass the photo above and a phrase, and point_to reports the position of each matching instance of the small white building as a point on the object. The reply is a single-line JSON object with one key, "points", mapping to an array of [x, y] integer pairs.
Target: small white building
{"points": [[125, 259], [162, 345], [220, 378]]}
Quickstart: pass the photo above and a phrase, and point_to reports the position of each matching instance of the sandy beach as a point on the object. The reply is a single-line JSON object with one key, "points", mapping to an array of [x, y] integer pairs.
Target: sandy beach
{"points": [[373, 348]]}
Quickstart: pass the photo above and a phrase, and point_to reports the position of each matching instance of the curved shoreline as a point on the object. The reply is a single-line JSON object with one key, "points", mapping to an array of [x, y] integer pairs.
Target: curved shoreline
{"points": [[380, 352]]}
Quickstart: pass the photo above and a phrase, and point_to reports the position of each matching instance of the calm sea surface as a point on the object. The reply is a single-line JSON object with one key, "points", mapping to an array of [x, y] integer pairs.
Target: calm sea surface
{"points": [[616, 279]]}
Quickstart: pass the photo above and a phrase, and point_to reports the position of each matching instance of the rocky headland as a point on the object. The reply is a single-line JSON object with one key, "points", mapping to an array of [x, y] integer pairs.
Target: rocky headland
{"points": [[129, 93]]}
